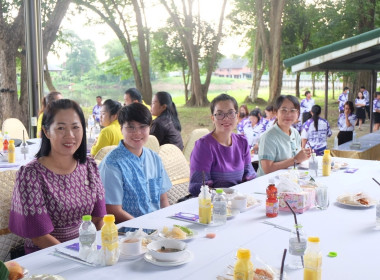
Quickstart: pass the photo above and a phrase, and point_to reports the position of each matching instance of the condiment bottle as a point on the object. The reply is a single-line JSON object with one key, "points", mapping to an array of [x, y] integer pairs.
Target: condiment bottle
{"points": [[312, 260], [272, 200], [326, 163], [204, 200], [11, 151], [110, 242], [5, 142], [243, 269]]}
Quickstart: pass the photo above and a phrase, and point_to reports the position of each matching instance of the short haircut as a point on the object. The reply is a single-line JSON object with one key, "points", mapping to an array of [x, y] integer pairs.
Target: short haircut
{"points": [[307, 92], [51, 110], [223, 97], [281, 99], [345, 88], [377, 93], [51, 97], [255, 113], [135, 94], [350, 105], [269, 108], [135, 112], [99, 97], [363, 87], [112, 106]]}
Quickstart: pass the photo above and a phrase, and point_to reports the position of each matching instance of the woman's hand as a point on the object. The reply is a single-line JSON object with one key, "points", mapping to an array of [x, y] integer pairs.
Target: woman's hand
{"points": [[303, 155]]}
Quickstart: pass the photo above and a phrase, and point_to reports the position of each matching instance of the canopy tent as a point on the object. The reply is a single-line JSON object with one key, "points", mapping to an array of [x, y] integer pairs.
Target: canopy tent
{"points": [[358, 53]]}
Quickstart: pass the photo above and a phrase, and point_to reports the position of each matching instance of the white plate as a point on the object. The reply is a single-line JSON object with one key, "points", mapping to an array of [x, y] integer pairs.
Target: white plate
{"points": [[343, 165], [258, 203], [187, 257], [133, 257], [188, 237], [344, 200]]}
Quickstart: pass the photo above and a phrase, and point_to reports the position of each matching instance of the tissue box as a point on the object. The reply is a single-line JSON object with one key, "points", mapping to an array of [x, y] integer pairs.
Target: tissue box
{"points": [[300, 202]]}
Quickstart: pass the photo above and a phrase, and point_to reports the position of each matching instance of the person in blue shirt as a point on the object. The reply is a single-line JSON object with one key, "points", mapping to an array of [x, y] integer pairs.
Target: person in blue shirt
{"points": [[133, 176], [96, 109]]}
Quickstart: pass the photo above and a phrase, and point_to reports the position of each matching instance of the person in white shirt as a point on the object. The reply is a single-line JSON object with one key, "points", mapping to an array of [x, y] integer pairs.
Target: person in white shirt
{"points": [[343, 98], [315, 132], [346, 123], [366, 97], [306, 105], [253, 129], [376, 112], [360, 104], [270, 116]]}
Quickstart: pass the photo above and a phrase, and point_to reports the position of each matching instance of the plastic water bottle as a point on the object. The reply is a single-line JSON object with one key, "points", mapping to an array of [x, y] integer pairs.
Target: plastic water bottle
{"points": [[87, 237], [336, 142], [354, 140], [297, 247], [313, 164], [219, 208]]}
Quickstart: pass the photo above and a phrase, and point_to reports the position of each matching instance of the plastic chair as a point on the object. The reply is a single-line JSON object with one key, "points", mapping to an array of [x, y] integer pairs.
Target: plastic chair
{"points": [[8, 240], [14, 127], [152, 143], [194, 136], [103, 152], [178, 171]]}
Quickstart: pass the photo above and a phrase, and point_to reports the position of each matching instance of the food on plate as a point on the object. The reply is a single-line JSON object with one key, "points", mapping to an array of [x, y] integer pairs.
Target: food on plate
{"points": [[251, 201], [355, 199], [210, 235], [177, 232], [262, 274], [163, 249], [361, 199], [15, 270]]}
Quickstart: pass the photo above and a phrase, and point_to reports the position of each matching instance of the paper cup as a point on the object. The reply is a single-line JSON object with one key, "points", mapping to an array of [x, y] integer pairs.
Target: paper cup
{"points": [[239, 202], [130, 246]]}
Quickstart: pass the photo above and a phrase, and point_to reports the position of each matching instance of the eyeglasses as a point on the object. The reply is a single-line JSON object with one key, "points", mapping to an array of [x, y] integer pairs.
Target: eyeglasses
{"points": [[285, 110], [134, 129], [220, 116]]}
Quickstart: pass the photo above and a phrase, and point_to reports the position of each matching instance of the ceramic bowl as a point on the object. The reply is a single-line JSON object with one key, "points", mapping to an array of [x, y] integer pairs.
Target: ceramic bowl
{"points": [[155, 246]]}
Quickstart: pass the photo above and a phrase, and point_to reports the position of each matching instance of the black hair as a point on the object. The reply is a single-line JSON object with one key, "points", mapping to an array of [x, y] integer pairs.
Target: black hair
{"points": [[135, 112], [170, 112], [223, 97], [134, 94], [281, 99], [269, 108], [316, 110], [99, 97], [363, 87], [255, 113], [112, 106], [357, 96], [345, 88], [51, 110], [351, 105], [52, 96], [377, 93], [307, 92]]}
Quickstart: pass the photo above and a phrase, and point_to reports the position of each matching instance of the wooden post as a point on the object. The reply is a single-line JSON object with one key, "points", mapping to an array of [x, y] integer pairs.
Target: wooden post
{"points": [[326, 92], [371, 95]]}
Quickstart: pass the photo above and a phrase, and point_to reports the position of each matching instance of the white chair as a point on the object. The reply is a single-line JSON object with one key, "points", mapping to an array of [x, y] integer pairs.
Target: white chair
{"points": [[103, 152], [14, 127], [152, 143], [8, 240], [194, 136], [178, 171]]}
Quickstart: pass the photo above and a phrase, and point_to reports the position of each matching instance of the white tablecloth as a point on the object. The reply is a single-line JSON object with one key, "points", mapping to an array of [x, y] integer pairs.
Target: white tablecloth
{"points": [[34, 146], [348, 231]]}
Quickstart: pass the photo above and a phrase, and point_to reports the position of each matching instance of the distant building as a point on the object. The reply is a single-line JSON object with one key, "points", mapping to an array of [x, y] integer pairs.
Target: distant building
{"points": [[233, 68]]}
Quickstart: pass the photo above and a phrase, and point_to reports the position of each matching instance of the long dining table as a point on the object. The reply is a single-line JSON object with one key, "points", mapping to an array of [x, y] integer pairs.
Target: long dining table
{"points": [[348, 231]]}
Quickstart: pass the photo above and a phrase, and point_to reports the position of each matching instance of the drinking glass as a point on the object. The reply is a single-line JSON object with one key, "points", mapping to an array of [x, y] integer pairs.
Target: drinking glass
{"points": [[322, 197]]}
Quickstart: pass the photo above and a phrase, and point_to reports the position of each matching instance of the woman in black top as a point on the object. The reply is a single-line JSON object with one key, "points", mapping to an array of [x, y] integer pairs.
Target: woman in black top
{"points": [[166, 127]]}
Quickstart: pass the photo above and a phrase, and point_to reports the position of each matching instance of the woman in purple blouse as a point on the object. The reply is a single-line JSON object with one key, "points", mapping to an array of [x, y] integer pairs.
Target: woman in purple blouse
{"points": [[62, 184], [222, 155]]}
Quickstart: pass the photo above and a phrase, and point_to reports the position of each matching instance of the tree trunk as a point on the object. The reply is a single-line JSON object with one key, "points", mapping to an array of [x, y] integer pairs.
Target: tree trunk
{"points": [[257, 72], [313, 83], [47, 77], [186, 79], [298, 84]]}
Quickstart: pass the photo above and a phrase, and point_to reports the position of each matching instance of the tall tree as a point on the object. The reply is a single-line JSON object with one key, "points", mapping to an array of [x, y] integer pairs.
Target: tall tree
{"points": [[117, 14], [189, 35], [12, 48]]}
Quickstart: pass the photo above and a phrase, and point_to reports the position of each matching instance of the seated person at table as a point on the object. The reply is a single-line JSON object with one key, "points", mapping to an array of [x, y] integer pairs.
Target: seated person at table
{"points": [[111, 133], [280, 146], [346, 123], [134, 178], [243, 118], [54, 191], [270, 116], [253, 129], [222, 155], [315, 132]]}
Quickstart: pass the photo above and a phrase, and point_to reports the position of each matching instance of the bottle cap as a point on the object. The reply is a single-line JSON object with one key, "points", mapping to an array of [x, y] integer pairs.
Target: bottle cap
{"points": [[332, 254], [313, 239], [109, 218], [12, 142], [327, 152], [86, 218], [243, 253], [219, 191]]}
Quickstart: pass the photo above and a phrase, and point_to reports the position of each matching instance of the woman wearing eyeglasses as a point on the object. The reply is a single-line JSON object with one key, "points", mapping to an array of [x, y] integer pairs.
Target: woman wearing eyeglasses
{"points": [[166, 127], [280, 146], [133, 176], [110, 134], [221, 155]]}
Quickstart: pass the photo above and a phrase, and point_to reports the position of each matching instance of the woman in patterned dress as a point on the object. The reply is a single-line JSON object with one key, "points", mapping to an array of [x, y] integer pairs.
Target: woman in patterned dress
{"points": [[62, 184]]}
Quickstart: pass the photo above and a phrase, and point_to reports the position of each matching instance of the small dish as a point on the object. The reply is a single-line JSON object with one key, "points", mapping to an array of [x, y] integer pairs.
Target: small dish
{"points": [[346, 200], [250, 205], [187, 257], [133, 257], [167, 245]]}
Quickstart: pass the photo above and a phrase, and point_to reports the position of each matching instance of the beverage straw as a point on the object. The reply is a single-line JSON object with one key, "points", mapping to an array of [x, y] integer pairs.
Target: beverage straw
{"points": [[282, 264], [295, 219], [376, 181]]}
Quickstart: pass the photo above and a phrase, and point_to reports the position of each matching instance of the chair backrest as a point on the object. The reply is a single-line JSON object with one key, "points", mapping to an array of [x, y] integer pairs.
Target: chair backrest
{"points": [[178, 171], [14, 127], [103, 152], [152, 143], [8, 240], [194, 136]]}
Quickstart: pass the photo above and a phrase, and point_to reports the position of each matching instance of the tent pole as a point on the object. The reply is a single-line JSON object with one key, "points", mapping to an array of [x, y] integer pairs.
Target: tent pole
{"points": [[371, 95], [326, 91]]}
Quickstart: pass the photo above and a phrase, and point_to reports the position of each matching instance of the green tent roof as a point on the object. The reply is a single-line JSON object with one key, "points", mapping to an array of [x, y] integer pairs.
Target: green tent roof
{"points": [[361, 52]]}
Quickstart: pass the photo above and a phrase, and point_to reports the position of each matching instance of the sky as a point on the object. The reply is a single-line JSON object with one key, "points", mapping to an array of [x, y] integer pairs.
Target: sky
{"points": [[156, 16]]}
